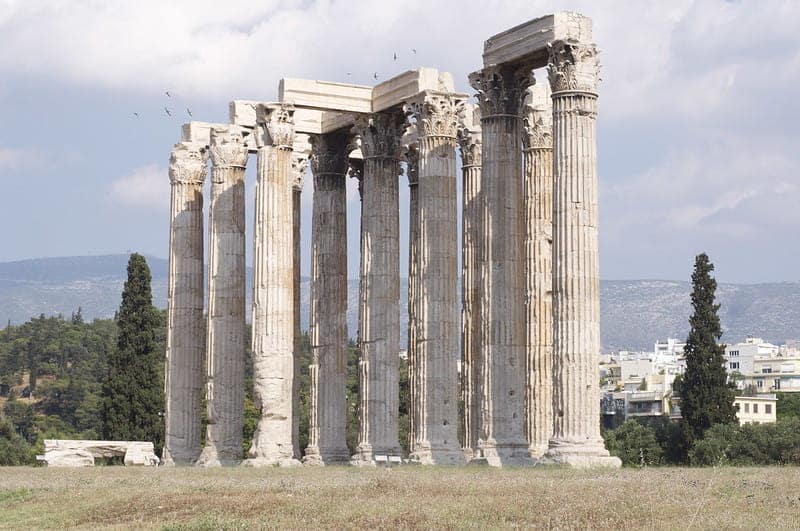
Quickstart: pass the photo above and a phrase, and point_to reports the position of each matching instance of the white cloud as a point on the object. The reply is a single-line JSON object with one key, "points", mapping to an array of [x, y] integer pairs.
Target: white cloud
{"points": [[147, 187]]}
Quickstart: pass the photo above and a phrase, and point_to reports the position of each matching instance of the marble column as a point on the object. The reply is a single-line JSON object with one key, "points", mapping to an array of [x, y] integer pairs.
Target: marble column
{"points": [[436, 300], [273, 289], [184, 374], [576, 441], [299, 166], [414, 385], [538, 184], [328, 417], [502, 438], [379, 293], [469, 139], [226, 300]]}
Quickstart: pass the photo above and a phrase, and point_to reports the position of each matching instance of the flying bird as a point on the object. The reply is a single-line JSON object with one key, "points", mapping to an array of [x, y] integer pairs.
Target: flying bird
{"points": [[349, 74], [167, 111], [375, 75], [395, 57], [168, 94], [136, 114], [414, 51], [188, 111]]}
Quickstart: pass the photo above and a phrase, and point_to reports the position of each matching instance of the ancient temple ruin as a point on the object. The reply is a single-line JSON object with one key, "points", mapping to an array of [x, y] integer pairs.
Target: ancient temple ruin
{"points": [[527, 329]]}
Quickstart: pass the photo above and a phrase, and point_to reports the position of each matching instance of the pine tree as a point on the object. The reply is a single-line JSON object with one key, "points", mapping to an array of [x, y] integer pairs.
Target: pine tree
{"points": [[706, 396], [133, 396]]}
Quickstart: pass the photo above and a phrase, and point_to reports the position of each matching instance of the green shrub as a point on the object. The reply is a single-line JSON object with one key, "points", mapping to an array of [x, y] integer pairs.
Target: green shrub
{"points": [[635, 444]]}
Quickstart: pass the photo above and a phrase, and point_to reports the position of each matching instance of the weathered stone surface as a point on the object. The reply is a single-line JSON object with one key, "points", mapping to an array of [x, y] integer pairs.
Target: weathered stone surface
{"points": [[414, 374], [78, 453], [576, 439], [326, 95], [401, 88], [299, 166], [308, 121], [529, 42], [501, 440], [226, 299], [436, 282], [538, 185], [328, 418], [273, 289], [185, 354], [469, 140], [379, 317]]}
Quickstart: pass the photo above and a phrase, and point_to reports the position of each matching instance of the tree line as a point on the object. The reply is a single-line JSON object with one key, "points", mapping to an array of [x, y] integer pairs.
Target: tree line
{"points": [[70, 379]]}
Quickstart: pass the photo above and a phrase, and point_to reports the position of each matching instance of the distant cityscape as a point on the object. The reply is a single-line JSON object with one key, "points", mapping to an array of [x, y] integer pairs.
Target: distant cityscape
{"points": [[640, 383]]}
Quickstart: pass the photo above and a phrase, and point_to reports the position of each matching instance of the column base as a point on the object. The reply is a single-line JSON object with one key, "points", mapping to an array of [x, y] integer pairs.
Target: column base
{"points": [[316, 457], [365, 455], [503, 454], [211, 458], [438, 456], [591, 454], [537, 450], [170, 460]]}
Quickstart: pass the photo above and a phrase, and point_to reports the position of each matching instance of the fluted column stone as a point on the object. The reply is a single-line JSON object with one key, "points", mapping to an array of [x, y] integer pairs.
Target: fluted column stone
{"points": [[185, 353], [414, 383], [226, 300], [273, 289], [502, 438], [328, 417], [538, 184], [576, 441], [379, 308], [469, 139], [299, 166], [436, 300]]}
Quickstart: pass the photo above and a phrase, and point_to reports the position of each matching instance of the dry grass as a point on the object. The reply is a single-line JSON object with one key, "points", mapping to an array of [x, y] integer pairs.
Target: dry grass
{"points": [[408, 497]]}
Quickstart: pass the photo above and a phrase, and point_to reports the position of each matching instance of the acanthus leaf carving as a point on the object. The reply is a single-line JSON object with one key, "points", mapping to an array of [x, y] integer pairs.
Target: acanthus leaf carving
{"points": [[329, 153], [500, 90], [275, 125], [573, 66], [469, 135], [381, 134], [299, 167], [187, 164], [538, 127], [436, 114], [228, 148]]}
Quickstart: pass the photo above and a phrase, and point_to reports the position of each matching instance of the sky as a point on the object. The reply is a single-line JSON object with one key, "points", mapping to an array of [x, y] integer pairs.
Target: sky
{"points": [[698, 142]]}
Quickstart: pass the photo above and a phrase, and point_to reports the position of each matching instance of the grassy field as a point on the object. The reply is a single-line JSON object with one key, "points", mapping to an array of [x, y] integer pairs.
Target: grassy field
{"points": [[409, 497]]}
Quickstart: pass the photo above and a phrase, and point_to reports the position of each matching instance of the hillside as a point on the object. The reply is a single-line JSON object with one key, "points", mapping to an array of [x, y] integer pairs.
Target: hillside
{"points": [[634, 313]]}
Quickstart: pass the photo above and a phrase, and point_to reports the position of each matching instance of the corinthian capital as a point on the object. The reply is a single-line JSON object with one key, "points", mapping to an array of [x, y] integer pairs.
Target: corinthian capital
{"points": [[187, 164], [227, 147], [329, 153], [299, 167], [573, 66], [469, 135], [436, 113], [537, 121], [381, 134], [275, 125], [500, 90]]}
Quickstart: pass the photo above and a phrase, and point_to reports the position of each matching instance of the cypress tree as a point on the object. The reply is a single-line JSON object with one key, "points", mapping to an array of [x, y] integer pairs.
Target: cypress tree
{"points": [[133, 396], [706, 396]]}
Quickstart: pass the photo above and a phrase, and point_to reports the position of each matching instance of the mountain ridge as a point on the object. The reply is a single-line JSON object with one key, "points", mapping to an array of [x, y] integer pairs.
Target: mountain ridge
{"points": [[634, 313]]}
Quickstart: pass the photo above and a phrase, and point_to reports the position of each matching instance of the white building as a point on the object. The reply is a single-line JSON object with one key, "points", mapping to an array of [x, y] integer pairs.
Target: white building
{"points": [[740, 357], [760, 409]]}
